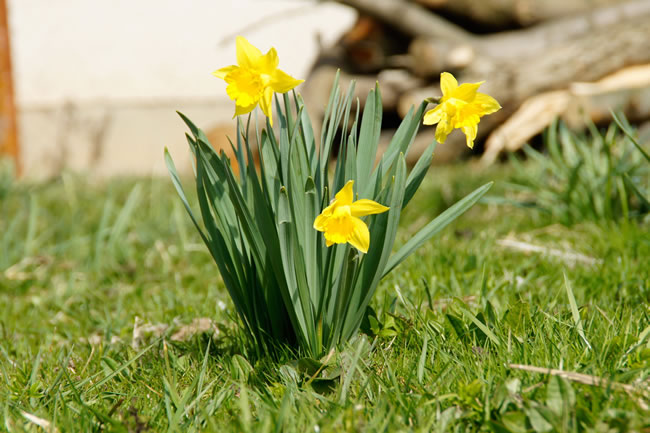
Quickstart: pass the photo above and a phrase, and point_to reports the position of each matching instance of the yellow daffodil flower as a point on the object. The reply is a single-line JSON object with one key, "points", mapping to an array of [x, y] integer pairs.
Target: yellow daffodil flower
{"points": [[254, 79], [340, 221], [460, 107]]}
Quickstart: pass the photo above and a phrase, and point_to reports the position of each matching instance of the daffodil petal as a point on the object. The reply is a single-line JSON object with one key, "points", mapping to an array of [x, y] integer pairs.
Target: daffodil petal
{"points": [[467, 117], [329, 210], [470, 134], [487, 103], [442, 131], [268, 63], [320, 223], [243, 109], [247, 55], [328, 242], [365, 207], [360, 236], [434, 115], [281, 82], [447, 83], [466, 91], [345, 195], [221, 73], [266, 104]]}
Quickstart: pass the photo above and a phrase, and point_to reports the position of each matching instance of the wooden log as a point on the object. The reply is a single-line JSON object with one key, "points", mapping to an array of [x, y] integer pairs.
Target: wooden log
{"points": [[512, 82], [435, 55], [518, 65], [529, 42], [499, 14], [410, 18], [8, 131], [432, 56], [368, 47], [627, 90], [587, 58]]}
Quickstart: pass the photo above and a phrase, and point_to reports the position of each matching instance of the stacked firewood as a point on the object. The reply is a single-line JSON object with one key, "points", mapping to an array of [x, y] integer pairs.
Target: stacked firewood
{"points": [[539, 58]]}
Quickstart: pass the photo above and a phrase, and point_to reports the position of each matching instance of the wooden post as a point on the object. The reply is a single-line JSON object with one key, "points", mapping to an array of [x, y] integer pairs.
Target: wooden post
{"points": [[8, 130]]}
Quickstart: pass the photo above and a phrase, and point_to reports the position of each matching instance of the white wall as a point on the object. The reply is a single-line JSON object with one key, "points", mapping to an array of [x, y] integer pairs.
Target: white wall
{"points": [[119, 54], [140, 49]]}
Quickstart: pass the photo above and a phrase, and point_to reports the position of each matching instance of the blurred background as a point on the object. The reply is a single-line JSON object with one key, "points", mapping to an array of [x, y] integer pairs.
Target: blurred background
{"points": [[96, 84]]}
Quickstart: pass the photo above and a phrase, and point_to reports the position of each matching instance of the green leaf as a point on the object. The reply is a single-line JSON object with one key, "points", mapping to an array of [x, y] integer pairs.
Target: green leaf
{"points": [[269, 168], [295, 298], [335, 110], [350, 163], [309, 238], [240, 369], [383, 230], [171, 167], [346, 167], [369, 136], [198, 134], [435, 226], [307, 131], [417, 174], [218, 247], [399, 144], [537, 421], [515, 422], [559, 395], [404, 136]]}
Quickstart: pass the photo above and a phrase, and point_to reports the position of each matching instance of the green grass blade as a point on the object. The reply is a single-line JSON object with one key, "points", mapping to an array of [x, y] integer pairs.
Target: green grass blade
{"points": [[482, 326], [636, 190], [629, 135], [423, 358], [122, 367], [574, 311], [350, 373], [122, 220]]}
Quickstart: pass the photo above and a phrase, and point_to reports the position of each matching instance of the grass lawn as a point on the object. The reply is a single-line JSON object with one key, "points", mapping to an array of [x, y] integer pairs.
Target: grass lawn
{"points": [[102, 286]]}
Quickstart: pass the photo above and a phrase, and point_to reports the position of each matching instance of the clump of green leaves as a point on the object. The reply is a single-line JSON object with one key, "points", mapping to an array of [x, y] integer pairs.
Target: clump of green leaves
{"points": [[287, 286], [593, 176]]}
